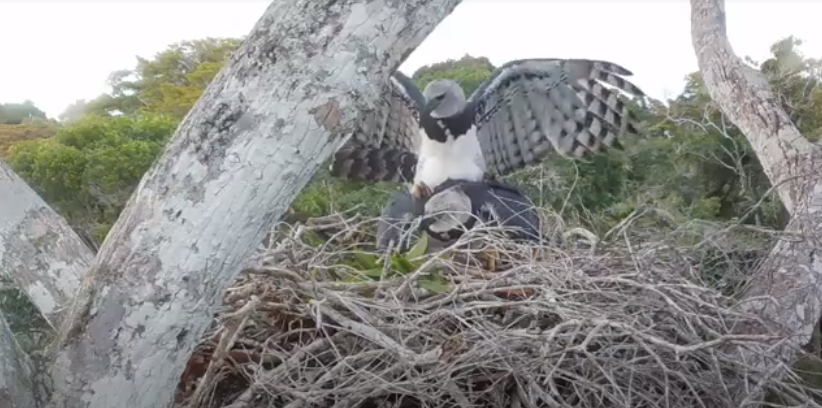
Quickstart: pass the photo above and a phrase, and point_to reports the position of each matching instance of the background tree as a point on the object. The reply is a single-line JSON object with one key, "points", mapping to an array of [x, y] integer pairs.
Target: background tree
{"points": [[90, 168], [469, 71], [785, 290], [169, 83], [16, 113], [29, 129], [701, 166]]}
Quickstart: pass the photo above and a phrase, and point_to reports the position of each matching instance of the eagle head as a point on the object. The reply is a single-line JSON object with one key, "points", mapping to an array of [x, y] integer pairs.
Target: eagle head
{"points": [[443, 98], [447, 212]]}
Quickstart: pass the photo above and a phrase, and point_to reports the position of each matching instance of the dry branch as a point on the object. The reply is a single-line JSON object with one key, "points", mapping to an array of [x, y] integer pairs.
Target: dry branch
{"points": [[632, 325]]}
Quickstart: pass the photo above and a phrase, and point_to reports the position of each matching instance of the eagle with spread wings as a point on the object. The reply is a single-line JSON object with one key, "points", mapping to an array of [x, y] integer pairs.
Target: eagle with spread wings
{"points": [[526, 109]]}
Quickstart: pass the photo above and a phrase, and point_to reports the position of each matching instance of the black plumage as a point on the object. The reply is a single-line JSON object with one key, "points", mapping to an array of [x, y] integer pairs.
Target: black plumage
{"points": [[490, 202]]}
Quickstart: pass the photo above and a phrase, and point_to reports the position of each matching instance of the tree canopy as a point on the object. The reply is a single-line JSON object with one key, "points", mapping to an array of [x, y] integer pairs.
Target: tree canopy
{"points": [[17, 113], [696, 165]]}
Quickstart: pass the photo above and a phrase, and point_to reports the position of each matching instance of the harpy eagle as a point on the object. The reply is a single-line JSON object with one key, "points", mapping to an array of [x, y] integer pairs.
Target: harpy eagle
{"points": [[456, 206], [526, 109]]}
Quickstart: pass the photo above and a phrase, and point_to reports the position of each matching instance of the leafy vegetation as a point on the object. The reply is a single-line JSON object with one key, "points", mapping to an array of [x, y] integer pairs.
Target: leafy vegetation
{"points": [[693, 163], [17, 113], [89, 169]]}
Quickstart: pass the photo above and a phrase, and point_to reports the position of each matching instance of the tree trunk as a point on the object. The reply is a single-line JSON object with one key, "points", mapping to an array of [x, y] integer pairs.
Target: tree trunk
{"points": [[745, 97], [287, 99], [17, 386], [785, 290], [38, 249]]}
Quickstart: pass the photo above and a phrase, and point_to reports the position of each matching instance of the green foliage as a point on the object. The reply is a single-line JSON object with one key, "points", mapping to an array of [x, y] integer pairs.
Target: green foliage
{"points": [[17, 113], [364, 266], [795, 79], [372, 266], [693, 163], [89, 169], [326, 195], [468, 71], [169, 84], [27, 130]]}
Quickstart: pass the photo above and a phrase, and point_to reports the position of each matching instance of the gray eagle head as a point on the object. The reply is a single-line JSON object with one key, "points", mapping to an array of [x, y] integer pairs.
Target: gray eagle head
{"points": [[443, 98], [449, 210]]}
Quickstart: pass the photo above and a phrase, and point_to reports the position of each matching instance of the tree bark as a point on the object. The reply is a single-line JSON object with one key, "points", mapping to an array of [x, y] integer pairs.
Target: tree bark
{"points": [[38, 249], [785, 290], [745, 97], [287, 99], [17, 386]]}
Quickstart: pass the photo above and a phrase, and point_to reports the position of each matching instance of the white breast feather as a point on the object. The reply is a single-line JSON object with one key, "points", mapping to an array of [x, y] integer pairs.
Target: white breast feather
{"points": [[459, 159]]}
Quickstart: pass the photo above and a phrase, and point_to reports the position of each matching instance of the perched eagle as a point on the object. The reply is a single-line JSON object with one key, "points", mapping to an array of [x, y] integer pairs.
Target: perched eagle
{"points": [[526, 109], [454, 207]]}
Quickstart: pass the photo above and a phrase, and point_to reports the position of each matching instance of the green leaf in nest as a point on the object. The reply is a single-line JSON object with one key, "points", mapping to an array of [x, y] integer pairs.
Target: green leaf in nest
{"points": [[401, 264], [366, 260], [435, 283], [373, 272], [419, 248]]}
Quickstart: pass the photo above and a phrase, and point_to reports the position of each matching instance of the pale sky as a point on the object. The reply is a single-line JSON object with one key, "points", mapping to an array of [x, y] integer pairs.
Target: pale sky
{"points": [[56, 52]]}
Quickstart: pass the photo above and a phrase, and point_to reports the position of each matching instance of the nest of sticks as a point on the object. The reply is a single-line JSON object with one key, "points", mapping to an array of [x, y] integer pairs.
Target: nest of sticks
{"points": [[629, 322]]}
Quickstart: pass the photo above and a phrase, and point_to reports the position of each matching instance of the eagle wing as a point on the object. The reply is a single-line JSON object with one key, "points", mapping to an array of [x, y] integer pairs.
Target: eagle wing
{"points": [[385, 143], [530, 107]]}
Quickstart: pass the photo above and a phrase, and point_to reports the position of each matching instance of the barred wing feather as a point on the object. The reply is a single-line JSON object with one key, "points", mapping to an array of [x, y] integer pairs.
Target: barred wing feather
{"points": [[384, 144], [531, 107]]}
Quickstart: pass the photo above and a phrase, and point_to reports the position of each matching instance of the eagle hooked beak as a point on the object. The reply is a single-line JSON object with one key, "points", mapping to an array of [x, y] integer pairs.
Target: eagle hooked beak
{"points": [[453, 200], [433, 103]]}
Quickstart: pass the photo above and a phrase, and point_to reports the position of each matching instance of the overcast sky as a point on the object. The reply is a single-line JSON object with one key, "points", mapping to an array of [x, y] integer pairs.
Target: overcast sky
{"points": [[56, 52]]}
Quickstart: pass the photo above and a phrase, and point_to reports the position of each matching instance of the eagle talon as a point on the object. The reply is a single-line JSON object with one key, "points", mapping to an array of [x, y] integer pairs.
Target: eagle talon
{"points": [[420, 191]]}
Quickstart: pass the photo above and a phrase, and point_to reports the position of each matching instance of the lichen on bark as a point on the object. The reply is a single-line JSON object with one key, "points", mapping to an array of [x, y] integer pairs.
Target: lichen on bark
{"points": [[48, 258], [786, 290], [284, 103]]}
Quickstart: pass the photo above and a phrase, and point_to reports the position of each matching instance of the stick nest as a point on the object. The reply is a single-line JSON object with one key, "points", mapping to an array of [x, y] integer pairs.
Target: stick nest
{"points": [[627, 322]]}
